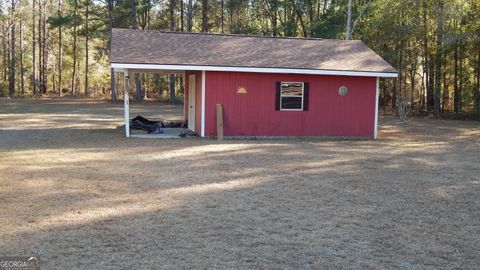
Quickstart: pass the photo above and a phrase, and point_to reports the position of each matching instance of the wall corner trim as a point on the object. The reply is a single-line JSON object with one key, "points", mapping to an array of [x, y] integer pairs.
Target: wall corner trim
{"points": [[202, 128]]}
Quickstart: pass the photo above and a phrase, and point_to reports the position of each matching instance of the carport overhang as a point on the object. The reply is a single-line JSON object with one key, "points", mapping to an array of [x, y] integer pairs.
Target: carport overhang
{"points": [[128, 69]]}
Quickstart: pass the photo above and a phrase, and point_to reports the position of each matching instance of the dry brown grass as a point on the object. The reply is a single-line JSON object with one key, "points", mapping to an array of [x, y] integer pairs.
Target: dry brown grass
{"points": [[75, 191]]}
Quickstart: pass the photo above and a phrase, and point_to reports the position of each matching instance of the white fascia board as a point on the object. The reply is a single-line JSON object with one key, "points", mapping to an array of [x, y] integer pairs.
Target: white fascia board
{"points": [[258, 70]]}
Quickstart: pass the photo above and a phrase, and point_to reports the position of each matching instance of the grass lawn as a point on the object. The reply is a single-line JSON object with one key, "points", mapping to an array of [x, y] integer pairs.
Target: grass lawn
{"points": [[79, 194]]}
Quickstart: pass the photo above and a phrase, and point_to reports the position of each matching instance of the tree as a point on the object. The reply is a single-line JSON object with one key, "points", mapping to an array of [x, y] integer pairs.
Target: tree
{"points": [[349, 20], [438, 57], [22, 66], [172, 28], [43, 23], [34, 73], [221, 17], [60, 50], [58, 22], [74, 54], [113, 87], [12, 60], [138, 84], [189, 15], [87, 34], [205, 16]]}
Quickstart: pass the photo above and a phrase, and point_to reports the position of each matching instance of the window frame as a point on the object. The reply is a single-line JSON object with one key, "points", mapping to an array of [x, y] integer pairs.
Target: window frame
{"points": [[303, 97]]}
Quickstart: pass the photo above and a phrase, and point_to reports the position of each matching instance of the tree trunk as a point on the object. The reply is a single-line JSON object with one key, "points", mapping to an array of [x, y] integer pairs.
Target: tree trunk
{"points": [[189, 15], [172, 28], [74, 66], [431, 82], [53, 72], [171, 10], [460, 85], [478, 83], [181, 15], [300, 19], [6, 54], [310, 11], [44, 48], [133, 14], [422, 94], [34, 73], [181, 29], [205, 16], [113, 88], [428, 65], [86, 49], [40, 50], [456, 92], [398, 88], [412, 79], [397, 94], [145, 85], [11, 80], [425, 78], [22, 66], [275, 18], [223, 11], [438, 58], [349, 20], [138, 83], [325, 4], [445, 97], [60, 50]]}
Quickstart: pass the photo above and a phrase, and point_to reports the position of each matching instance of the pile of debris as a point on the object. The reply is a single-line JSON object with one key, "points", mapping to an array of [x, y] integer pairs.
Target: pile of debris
{"points": [[142, 123], [158, 127]]}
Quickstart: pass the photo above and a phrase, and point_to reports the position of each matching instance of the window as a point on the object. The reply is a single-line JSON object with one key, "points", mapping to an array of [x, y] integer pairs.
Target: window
{"points": [[291, 96]]}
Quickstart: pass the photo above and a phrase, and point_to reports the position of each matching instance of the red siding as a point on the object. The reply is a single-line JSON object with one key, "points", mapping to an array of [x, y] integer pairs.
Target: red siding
{"points": [[254, 114]]}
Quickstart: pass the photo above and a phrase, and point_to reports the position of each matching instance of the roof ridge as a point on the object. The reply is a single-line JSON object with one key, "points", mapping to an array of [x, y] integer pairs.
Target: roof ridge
{"points": [[233, 35]]}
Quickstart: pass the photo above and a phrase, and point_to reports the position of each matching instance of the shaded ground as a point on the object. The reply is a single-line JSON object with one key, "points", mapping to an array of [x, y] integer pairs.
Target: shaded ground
{"points": [[73, 190]]}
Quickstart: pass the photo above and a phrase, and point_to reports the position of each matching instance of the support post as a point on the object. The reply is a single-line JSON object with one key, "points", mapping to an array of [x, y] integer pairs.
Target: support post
{"points": [[126, 106], [219, 122]]}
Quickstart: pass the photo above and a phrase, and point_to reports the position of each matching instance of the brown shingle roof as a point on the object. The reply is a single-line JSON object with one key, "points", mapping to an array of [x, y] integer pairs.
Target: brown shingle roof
{"points": [[176, 48]]}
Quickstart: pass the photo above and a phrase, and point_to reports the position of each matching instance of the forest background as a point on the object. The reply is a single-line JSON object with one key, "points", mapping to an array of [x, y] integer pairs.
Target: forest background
{"points": [[61, 47]]}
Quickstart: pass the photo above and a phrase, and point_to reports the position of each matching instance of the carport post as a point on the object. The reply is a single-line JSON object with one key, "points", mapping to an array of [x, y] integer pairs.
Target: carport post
{"points": [[126, 112]]}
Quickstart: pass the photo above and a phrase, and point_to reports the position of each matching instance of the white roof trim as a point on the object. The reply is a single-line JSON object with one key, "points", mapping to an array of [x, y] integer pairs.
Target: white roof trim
{"points": [[251, 69]]}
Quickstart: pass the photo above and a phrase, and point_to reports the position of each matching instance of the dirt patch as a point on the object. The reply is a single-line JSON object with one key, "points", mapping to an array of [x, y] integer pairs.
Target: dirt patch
{"points": [[78, 193]]}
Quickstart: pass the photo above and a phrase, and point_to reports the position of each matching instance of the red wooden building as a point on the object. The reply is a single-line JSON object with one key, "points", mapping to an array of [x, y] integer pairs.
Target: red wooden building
{"points": [[268, 86]]}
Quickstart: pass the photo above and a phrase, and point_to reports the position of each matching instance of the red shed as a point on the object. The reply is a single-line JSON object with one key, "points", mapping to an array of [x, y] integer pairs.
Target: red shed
{"points": [[267, 86]]}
